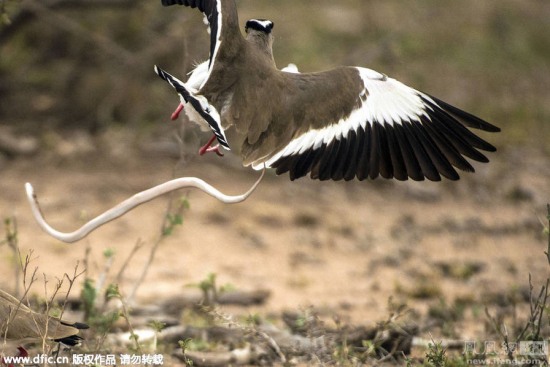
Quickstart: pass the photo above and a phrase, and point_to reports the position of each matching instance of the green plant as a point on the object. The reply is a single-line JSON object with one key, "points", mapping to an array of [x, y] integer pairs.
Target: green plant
{"points": [[426, 288], [100, 320], [184, 345], [210, 290], [174, 218], [436, 355]]}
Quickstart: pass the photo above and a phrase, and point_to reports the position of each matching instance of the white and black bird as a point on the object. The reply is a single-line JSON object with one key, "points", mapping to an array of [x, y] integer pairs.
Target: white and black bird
{"points": [[338, 124], [21, 324]]}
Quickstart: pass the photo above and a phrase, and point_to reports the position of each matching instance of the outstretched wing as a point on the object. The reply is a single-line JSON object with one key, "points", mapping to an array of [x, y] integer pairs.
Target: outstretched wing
{"points": [[223, 22], [199, 103], [389, 130]]}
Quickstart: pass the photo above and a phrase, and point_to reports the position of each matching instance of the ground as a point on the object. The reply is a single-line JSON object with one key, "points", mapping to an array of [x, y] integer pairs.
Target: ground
{"points": [[344, 249]]}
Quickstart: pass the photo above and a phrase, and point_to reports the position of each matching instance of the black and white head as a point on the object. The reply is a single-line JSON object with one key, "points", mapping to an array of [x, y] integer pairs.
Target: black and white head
{"points": [[262, 26], [259, 32]]}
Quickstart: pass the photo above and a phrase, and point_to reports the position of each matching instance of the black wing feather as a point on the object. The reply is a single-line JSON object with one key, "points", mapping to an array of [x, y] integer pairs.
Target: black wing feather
{"points": [[426, 164], [399, 170], [465, 117], [363, 167], [355, 147], [409, 157], [327, 161]]}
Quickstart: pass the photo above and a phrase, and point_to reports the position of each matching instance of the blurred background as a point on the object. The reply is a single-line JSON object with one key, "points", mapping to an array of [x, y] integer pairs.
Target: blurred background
{"points": [[86, 65], [84, 117]]}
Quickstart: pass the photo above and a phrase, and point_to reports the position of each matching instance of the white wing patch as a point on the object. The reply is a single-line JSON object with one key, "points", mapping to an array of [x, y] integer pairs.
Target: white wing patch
{"points": [[197, 76], [387, 101], [291, 68], [205, 21]]}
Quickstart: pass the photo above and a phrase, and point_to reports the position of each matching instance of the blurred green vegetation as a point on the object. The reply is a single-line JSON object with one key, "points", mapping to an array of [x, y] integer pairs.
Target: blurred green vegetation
{"points": [[76, 64]]}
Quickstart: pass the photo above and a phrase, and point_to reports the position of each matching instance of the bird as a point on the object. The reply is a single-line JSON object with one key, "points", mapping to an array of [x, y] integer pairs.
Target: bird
{"points": [[21, 324], [346, 123], [197, 76]]}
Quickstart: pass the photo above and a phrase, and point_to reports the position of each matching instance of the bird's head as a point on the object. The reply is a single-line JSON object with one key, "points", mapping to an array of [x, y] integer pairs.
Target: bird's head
{"points": [[259, 32], [261, 26]]}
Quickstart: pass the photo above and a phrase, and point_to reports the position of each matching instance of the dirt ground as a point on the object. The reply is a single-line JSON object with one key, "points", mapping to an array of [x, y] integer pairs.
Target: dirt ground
{"points": [[343, 248]]}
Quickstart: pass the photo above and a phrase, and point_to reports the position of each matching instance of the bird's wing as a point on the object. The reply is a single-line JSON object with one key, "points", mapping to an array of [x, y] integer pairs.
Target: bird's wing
{"points": [[373, 125], [65, 332], [199, 103], [224, 26], [19, 322], [7, 299]]}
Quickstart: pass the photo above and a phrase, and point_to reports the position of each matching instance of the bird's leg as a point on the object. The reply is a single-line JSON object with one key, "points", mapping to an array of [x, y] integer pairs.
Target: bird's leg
{"points": [[206, 148], [177, 112], [22, 352]]}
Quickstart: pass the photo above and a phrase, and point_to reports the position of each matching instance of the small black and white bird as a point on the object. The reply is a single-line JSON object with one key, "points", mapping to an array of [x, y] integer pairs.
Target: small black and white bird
{"points": [[21, 324], [345, 123]]}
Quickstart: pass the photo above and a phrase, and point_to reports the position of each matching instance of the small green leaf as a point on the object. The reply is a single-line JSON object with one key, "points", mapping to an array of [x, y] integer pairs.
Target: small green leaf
{"points": [[177, 219], [157, 325], [88, 296], [112, 291], [108, 253], [185, 203]]}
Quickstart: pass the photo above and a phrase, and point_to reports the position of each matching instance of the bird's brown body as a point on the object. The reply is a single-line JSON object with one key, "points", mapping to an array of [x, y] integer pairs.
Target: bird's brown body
{"points": [[21, 324]]}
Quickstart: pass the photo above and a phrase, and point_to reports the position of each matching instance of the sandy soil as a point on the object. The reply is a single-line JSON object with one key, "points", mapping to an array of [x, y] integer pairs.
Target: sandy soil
{"points": [[343, 248]]}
